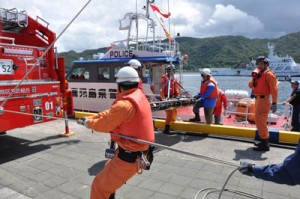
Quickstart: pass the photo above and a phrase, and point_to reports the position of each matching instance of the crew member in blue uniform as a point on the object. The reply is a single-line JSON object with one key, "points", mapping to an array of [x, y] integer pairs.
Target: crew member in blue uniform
{"points": [[287, 172], [294, 100]]}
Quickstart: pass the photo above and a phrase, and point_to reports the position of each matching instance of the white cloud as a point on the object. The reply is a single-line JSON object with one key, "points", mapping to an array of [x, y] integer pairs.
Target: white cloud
{"points": [[97, 26], [227, 20]]}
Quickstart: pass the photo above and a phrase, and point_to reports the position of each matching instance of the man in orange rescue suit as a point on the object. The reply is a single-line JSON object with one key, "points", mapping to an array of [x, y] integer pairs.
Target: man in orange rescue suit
{"points": [[221, 103], [130, 115], [169, 88], [263, 84]]}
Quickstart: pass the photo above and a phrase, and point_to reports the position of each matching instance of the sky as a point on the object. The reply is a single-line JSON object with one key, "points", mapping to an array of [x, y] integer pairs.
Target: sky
{"points": [[97, 25]]}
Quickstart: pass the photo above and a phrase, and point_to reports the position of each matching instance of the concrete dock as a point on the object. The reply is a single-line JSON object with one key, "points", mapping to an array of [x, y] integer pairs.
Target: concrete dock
{"points": [[36, 163]]}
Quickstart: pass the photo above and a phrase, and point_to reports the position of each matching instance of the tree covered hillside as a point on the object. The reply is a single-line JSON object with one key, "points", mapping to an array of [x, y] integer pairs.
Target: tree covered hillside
{"points": [[223, 51]]}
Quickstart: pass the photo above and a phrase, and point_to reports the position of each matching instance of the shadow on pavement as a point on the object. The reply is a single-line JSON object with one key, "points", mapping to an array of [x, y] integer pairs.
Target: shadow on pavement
{"points": [[13, 148], [248, 154], [96, 168]]}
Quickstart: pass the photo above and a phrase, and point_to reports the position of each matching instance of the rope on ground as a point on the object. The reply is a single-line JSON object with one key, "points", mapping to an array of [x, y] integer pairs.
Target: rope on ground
{"points": [[220, 191], [211, 190], [178, 150], [141, 141]]}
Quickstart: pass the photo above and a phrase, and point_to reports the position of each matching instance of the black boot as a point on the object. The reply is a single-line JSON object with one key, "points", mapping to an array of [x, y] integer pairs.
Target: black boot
{"points": [[167, 129], [196, 118], [263, 145], [112, 196]]}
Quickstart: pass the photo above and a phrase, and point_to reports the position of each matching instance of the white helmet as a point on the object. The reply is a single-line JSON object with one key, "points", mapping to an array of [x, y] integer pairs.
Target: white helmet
{"points": [[206, 72], [171, 67], [135, 63], [127, 74]]}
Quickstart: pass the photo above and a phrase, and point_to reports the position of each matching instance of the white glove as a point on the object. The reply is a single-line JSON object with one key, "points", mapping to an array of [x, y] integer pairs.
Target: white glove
{"points": [[225, 112], [83, 121], [245, 167]]}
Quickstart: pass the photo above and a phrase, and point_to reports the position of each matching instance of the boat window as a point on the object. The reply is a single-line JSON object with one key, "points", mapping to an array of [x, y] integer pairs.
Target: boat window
{"points": [[117, 68], [288, 68], [147, 77], [80, 73], [103, 74]]}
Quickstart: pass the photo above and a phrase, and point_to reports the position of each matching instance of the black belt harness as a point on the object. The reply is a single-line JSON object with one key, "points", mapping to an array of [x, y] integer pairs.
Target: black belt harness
{"points": [[259, 96], [129, 156]]}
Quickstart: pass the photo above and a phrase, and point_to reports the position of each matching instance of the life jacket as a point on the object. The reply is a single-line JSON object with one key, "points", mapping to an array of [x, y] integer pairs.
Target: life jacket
{"points": [[245, 107], [204, 85], [219, 98], [262, 87], [140, 125], [173, 86]]}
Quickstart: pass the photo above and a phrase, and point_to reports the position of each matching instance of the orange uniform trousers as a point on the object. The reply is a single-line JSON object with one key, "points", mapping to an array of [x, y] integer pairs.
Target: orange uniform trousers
{"points": [[171, 116], [115, 173], [262, 108]]}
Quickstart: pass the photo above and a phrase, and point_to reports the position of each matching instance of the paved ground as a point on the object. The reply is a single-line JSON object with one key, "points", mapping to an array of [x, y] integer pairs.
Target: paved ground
{"points": [[36, 163]]}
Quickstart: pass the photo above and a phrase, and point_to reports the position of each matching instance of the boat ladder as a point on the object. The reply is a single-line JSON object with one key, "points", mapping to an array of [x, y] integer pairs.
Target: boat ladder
{"points": [[13, 20]]}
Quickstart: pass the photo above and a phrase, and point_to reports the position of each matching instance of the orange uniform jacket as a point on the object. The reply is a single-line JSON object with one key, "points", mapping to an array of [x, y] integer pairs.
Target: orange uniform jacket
{"points": [[221, 100], [265, 85], [171, 115], [125, 118], [164, 86], [204, 85], [130, 115]]}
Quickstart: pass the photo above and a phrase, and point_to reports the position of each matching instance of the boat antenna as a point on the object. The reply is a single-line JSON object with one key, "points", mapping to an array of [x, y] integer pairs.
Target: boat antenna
{"points": [[169, 20], [136, 25], [147, 7]]}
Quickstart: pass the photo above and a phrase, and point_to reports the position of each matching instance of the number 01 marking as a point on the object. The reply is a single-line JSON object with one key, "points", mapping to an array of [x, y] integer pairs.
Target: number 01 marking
{"points": [[48, 106]]}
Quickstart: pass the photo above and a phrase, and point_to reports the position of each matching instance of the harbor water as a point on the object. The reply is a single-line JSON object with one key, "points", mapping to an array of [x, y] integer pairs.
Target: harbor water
{"points": [[191, 82]]}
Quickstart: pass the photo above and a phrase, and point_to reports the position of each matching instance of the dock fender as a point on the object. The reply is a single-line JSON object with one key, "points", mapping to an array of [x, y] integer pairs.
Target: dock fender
{"points": [[274, 135]]}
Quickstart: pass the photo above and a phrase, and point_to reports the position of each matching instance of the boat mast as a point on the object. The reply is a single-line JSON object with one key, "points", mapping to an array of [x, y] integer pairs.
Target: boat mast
{"points": [[136, 25], [152, 22], [271, 47]]}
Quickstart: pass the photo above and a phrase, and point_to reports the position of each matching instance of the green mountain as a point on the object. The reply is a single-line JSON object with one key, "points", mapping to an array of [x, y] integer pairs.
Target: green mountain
{"points": [[223, 51]]}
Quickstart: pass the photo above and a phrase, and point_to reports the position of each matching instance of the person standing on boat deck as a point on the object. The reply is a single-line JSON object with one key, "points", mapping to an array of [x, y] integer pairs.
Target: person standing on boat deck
{"points": [[220, 103], [206, 98], [294, 100], [136, 64], [287, 172], [130, 115], [263, 84], [169, 87]]}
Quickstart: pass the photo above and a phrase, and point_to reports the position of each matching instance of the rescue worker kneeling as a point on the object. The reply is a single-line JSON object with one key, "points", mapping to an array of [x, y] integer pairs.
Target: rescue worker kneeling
{"points": [[130, 115]]}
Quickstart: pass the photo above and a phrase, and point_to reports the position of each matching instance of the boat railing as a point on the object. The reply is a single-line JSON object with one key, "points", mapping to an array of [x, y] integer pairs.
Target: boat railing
{"points": [[158, 45], [13, 20], [272, 117]]}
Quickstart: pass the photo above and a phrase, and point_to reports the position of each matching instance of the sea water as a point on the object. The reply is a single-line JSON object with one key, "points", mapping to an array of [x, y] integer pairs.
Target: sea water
{"points": [[191, 82]]}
